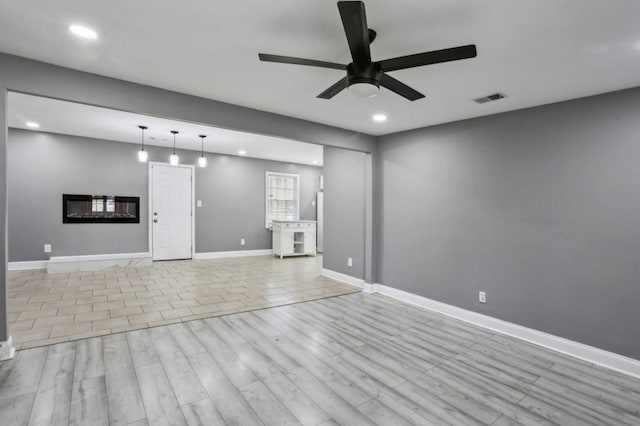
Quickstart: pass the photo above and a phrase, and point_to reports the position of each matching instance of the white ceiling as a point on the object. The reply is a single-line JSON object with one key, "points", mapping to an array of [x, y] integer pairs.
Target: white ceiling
{"points": [[70, 118], [534, 51]]}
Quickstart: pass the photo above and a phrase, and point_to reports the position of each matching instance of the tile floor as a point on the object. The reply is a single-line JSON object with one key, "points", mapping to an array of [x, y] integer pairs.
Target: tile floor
{"points": [[52, 308]]}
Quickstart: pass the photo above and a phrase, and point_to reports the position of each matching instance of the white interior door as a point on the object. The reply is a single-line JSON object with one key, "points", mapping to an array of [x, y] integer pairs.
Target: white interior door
{"points": [[171, 208]]}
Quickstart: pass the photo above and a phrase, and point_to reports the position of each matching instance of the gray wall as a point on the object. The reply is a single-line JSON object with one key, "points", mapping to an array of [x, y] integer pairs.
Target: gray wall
{"points": [[43, 166], [38, 78], [539, 207], [4, 250], [232, 190], [344, 211]]}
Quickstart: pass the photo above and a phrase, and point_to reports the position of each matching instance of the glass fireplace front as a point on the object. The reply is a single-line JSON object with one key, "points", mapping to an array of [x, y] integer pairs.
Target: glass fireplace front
{"points": [[100, 209]]}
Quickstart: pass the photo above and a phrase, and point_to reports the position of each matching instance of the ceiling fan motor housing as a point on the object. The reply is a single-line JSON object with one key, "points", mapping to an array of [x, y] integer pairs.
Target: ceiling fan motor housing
{"points": [[369, 74]]}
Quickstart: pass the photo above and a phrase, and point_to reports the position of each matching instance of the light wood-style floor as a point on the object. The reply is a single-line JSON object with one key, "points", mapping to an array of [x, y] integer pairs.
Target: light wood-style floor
{"points": [[357, 359], [54, 308]]}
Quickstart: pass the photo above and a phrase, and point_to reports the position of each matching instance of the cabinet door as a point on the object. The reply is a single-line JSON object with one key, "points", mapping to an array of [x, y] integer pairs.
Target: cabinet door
{"points": [[286, 242], [310, 241]]}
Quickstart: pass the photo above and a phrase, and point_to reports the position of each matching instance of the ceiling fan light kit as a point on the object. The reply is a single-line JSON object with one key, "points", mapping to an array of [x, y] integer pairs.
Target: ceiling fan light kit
{"points": [[364, 76]]}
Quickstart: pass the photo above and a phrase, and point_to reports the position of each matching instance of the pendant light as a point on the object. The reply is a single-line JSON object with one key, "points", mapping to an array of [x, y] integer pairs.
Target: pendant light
{"points": [[202, 161], [142, 154], [173, 158]]}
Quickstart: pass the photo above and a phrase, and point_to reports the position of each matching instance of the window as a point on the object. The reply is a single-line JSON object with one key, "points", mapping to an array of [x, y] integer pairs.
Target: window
{"points": [[282, 197]]}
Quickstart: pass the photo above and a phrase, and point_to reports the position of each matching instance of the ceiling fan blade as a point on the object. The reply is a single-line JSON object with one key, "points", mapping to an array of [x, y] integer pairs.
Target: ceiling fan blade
{"points": [[400, 88], [428, 58], [336, 88], [354, 21], [265, 57]]}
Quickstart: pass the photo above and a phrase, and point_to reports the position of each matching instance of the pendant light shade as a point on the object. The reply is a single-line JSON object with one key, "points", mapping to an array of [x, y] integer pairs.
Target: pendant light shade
{"points": [[142, 154], [202, 161], [173, 158]]}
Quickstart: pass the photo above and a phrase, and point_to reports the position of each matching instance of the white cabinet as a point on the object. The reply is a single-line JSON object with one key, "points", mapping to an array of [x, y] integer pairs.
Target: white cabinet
{"points": [[294, 237]]}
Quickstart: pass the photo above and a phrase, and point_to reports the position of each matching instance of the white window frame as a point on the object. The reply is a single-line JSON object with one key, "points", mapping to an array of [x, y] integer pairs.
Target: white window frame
{"points": [[296, 199]]}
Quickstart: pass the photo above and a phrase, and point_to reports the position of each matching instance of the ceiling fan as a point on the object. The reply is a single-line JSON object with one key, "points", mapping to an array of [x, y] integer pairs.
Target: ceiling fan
{"points": [[364, 76]]}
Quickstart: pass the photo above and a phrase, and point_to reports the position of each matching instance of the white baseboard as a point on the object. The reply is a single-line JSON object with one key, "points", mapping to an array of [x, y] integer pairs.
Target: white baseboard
{"points": [[97, 262], [7, 351], [587, 353], [237, 253], [344, 278], [24, 266]]}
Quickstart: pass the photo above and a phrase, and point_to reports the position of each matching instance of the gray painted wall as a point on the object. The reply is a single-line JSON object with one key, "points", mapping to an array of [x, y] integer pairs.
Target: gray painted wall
{"points": [[43, 166], [539, 207], [232, 190], [344, 211], [4, 250], [38, 78]]}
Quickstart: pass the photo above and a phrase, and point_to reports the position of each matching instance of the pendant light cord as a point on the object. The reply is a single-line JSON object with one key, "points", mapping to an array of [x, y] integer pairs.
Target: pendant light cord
{"points": [[143, 128], [202, 146], [174, 141]]}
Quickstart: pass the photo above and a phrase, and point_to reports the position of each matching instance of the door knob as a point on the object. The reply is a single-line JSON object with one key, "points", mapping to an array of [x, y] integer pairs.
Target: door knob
{"points": [[155, 220]]}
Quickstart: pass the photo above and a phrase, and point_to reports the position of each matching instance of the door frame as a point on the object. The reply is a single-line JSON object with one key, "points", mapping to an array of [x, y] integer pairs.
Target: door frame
{"points": [[193, 204]]}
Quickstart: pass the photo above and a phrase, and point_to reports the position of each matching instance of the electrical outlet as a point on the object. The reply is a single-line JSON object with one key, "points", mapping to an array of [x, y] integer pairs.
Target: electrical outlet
{"points": [[349, 261], [47, 248], [482, 296], [241, 241], [199, 203]]}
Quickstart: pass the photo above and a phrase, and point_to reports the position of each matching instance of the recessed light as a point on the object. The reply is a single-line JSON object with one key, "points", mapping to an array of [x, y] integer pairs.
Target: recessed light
{"points": [[83, 32], [32, 124], [242, 152], [379, 118]]}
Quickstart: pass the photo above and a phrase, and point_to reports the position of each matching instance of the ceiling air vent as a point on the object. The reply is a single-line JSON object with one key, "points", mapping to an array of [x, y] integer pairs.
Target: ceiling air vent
{"points": [[490, 98]]}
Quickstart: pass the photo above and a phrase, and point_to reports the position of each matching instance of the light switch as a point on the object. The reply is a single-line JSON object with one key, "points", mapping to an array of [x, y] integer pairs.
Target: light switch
{"points": [[313, 203], [199, 203]]}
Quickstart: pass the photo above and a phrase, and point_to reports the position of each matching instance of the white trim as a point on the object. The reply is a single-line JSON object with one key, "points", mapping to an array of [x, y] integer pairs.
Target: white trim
{"points": [[587, 353], [193, 204], [237, 253], [344, 278], [90, 257], [97, 262], [31, 264], [7, 350]]}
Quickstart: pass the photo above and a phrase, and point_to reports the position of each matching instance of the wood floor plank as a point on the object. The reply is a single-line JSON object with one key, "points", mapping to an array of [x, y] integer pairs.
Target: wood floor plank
{"points": [[53, 399], [380, 414], [233, 408], [202, 413], [15, 410], [124, 397], [184, 382], [227, 358], [89, 361], [267, 406], [323, 372], [89, 402], [386, 395], [160, 402], [329, 401], [141, 348], [185, 338], [297, 402], [25, 373]]}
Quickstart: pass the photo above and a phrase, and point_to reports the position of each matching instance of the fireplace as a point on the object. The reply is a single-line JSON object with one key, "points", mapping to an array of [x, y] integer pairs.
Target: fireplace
{"points": [[100, 209]]}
